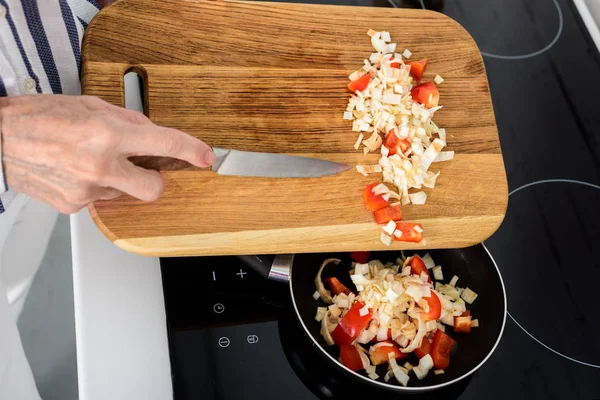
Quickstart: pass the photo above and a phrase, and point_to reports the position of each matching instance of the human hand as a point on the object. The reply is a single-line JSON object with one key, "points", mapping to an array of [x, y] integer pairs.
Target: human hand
{"points": [[69, 151]]}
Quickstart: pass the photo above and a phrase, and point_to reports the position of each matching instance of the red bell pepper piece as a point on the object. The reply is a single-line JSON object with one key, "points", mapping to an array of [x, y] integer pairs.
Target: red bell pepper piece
{"points": [[409, 234], [462, 324], [417, 68], [426, 93], [360, 84], [424, 349], [360, 256], [373, 202], [337, 287], [380, 354], [387, 214], [392, 142], [417, 267], [351, 325], [350, 357], [441, 346], [435, 308]]}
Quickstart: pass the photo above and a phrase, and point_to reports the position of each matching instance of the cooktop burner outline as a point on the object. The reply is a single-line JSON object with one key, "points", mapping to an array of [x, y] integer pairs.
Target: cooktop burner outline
{"points": [[573, 181], [529, 55]]}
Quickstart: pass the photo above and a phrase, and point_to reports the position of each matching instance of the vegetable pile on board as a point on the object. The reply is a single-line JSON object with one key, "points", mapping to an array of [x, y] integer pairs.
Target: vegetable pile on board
{"points": [[393, 112], [397, 312]]}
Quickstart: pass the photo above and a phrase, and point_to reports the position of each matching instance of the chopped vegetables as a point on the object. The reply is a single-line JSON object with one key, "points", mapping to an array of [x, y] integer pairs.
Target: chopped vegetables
{"points": [[440, 349], [468, 295], [410, 232], [437, 273], [350, 357], [372, 201], [396, 311], [393, 111], [388, 214]]}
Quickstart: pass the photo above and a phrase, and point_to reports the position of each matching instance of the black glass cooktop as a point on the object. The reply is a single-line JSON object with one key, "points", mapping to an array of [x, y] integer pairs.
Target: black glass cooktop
{"points": [[233, 335]]}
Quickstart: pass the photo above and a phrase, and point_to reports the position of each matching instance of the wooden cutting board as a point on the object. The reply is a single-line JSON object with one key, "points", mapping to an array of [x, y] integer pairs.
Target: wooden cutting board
{"points": [[272, 77]]}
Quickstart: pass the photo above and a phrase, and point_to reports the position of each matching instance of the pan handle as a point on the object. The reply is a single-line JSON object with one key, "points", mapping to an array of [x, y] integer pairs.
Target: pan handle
{"points": [[274, 267]]}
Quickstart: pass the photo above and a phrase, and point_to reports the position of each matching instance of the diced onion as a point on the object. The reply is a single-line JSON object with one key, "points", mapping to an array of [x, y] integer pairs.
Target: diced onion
{"points": [[334, 310], [475, 323], [385, 239], [325, 329], [390, 227], [438, 371], [468, 295], [316, 295], [398, 233], [371, 32], [453, 281], [437, 273], [416, 342], [438, 80], [428, 261], [418, 229], [363, 311], [360, 138], [444, 156], [400, 375], [418, 198], [407, 53]]}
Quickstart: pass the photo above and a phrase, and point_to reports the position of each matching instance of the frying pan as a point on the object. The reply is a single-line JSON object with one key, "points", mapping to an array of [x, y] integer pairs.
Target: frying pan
{"points": [[475, 268]]}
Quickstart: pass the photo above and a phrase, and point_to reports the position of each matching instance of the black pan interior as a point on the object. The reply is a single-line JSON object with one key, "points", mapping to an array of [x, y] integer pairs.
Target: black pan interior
{"points": [[475, 270]]}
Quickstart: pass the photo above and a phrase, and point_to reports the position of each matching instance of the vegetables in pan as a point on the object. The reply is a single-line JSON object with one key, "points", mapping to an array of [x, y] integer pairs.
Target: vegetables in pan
{"points": [[397, 312], [392, 111]]}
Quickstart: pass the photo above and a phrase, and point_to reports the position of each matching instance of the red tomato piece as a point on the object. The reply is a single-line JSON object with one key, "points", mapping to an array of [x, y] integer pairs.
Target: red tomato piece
{"points": [[424, 349], [392, 142], [435, 308], [387, 214], [417, 267], [417, 68], [360, 84], [351, 325], [462, 324], [427, 94], [350, 357], [441, 346], [373, 202], [380, 354], [360, 256], [409, 234], [337, 287]]}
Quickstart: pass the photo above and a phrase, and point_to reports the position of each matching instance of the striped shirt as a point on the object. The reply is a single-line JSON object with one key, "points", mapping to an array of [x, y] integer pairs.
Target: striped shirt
{"points": [[40, 52]]}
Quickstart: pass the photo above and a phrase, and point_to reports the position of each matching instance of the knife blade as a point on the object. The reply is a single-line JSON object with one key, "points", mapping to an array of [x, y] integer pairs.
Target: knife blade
{"points": [[272, 165]]}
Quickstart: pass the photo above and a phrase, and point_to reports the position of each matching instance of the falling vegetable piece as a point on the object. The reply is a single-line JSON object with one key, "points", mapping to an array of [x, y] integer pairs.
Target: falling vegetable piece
{"points": [[360, 84], [351, 324], [381, 353], [441, 346], [360, 256], [387, 214], [373, 202], [411, 232], [417, 68], [350, 357], [325, 295], [337, 287], [427, 94]]}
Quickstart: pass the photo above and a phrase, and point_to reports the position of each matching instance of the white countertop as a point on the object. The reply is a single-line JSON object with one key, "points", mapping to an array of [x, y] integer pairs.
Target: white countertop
{"points": [[122, 349]]}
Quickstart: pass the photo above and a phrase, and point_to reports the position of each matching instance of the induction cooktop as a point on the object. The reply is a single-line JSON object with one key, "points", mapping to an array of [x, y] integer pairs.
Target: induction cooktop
{"points": [[233, 335]]}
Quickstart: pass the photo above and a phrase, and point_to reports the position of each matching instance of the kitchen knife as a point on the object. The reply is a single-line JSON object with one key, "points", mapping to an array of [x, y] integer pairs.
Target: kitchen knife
{"points": [[272, 165]]}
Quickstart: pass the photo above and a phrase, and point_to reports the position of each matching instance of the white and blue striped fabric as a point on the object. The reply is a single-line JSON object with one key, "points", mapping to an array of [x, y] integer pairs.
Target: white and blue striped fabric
{"points": [[40, 52]]}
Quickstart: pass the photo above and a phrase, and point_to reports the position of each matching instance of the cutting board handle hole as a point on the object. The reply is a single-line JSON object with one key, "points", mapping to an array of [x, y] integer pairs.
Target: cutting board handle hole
{"points": [[135, 81]]}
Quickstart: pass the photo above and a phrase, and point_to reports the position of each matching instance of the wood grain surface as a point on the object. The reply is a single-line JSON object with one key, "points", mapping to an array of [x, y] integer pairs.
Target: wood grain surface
{"points": [[272, 77]]}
